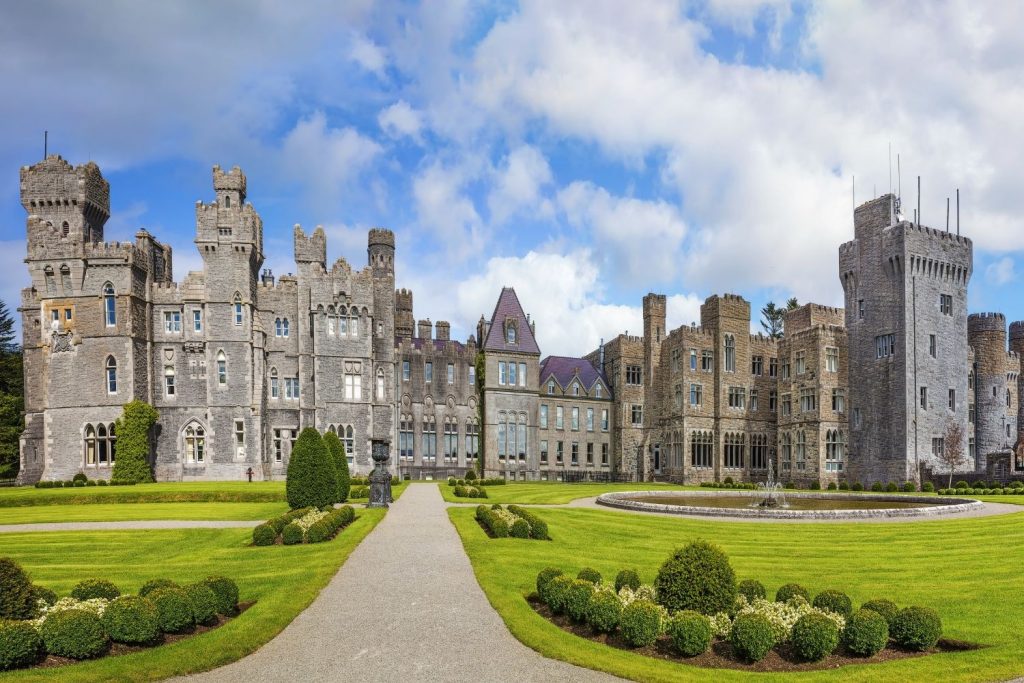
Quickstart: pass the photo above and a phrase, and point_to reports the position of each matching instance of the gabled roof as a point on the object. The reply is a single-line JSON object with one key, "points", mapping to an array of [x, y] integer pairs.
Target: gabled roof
{"points": [[508, 307], [564, 368]]}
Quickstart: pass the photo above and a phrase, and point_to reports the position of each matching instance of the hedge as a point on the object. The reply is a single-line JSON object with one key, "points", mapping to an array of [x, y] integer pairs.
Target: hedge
{"points": [[174, 609], [640, 623], [156, 584], [814, 637], [20, 645], [226, 592], [538, 527], [866, 633], [628, 578], [89, 589], [690, 633], [604, 611], [74, 633], [752, 636], [916, 628], [133, 440], [131, 619]]}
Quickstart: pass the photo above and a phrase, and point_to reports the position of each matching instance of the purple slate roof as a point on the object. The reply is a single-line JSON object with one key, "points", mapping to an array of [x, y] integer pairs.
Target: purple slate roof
{"points": [[508, 306], [418, 342], [564, 368]]}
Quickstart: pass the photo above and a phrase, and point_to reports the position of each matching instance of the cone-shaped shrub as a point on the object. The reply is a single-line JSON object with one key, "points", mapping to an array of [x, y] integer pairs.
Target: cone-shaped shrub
{"points": [[338, 456], [17, 599], [312, 480]]}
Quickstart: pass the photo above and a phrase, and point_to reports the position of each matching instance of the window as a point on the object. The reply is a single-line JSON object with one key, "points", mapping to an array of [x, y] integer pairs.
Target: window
{"points": [[472, 440], [970, 413], [197, 320], [551, 387], [1009, 398], [753, 401], [353, 322], [787, 405], [759, 452], [856, 418], [773, 367], [111, 375], [222, 368], [172, 322], [598, 390], [946, 304], [428, 373], [885, 345], [971, 450], [169, 388], [522, 374], [801, 362], [808, 400], [737, 397], [559, 453], [702, 449], [931, 345], [707, 361], [451, 440], [381, 393], [634, 375], [970, 379], [559, 417], [451, 373], [835, 450], [354, 386], [522, 438], [512, 374], [406, 371], [860, 309], [693, 359], [786, 452], [831, 359], [405, 438], [510, 334], [757, 365], [924, 398], [342, 320], [773, 401], [348, 440], [278, 328], [678, 396], [952, 399], [238, 309], [275, 387], [109, 305], [195, 444], [278, 450], [543, 416], [637, 415], [67, 314], [839, 400], [801, 450], [730, 353], [239, 438], [291, 387], [575, 389], [543, 452], [938, 445], [502, 372], [575, 458], [590, 454], [675, 360], [604, 455], [330, 321], [590, 419], [785, 368], [604, 420], [429, 439], [575, 419], [733, 451]]}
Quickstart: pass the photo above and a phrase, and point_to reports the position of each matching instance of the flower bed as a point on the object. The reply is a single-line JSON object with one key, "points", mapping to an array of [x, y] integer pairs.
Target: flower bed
{"points": [[679, 618], [305, 525], [65, 630], [512, 521]]}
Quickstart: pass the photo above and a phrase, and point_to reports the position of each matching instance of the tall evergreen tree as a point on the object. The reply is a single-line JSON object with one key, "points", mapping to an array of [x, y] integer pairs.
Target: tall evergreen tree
{"points": [[12, 391], [311, 479], [771, 320], [337, 451], [792, 304]]}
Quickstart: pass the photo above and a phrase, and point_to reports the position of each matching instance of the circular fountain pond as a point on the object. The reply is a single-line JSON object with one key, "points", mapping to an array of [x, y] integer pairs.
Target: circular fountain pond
{"points": [[751, 504]]}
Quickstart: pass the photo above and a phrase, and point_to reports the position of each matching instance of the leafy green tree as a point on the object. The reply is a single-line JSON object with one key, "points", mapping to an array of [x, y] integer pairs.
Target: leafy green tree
{"points": [[311, 480], [792, 304], [133, 432], [12, 392], [337, 451]]}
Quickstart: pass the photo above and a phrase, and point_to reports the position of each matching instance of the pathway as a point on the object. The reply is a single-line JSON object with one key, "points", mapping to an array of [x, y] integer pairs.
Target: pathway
{"points": [[405, 606], [128, 525]]}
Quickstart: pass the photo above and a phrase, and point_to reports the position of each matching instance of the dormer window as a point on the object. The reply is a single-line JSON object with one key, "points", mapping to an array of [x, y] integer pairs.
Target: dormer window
{"points": [[551, 387], [510, 333]]}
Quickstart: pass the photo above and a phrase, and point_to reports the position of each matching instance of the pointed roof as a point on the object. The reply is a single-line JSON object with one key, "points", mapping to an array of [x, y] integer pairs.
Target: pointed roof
{"points": [[508, 308], [566, 368]]}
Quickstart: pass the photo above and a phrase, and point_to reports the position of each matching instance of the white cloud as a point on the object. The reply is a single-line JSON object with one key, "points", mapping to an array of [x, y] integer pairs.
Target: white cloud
{"points": [[400, 119], [444, 209], [1002, 272], [368, 55], [518, 183]]}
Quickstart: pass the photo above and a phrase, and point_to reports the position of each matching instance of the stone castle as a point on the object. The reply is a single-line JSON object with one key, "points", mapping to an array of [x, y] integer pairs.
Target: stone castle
{"points": [[237, 361]]}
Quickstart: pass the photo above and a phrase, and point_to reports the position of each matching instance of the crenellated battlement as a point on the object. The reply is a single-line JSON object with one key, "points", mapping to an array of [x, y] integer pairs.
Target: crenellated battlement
{"points": [[311, 249], [233, 180], [381, 236], [986, 322]]}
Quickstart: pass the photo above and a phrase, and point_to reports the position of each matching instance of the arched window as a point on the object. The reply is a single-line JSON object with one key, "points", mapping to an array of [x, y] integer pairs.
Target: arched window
{"points": [[330, 320], [510, 334], [472, 439], [353, 322], [101, 442], [169, 388], [380, 384], [835, 450], [285, 327], [238, 308], [521, 441], [333, 429], [342, 320], [109, 305], [970, 379], [349, 440], [111, 375], [195, 444], [1009, 399], [90, 445], [429, 439], [65, 229], [275, 387], [451, 440], [501, 436], [730, 353], [227, 201], [277, 327], [222, 368]]}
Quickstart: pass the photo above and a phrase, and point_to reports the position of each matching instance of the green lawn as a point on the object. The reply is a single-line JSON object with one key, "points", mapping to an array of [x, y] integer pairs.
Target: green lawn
{"points": [[111, 512], [969, 570], [550, 493], [170, 492], [283, 580]]}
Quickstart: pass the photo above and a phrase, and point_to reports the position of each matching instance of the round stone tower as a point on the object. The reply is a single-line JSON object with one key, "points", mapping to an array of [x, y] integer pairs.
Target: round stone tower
{"points": [[986, 333], [1017, 346]]}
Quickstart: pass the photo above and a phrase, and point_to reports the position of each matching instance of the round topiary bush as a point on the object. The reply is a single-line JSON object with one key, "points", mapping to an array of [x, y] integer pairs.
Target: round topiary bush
{"points": [[470, 475], [791, 590], [20, 645], [557, 592], [80, 477], [640, 623], [690, 633], [834, 601], [843, 486], [751, 589], [544, 577], [577, 599], [916, 628], [131, 619], [604, 611], [174, 609], [520, 528], [204, 602], [226, 592], [156, 584], [627, 577], [887, 608], [877, 486], [928, 487], [751, 636], [17, 599], [814, 637], [866, 633], [831, 486], [292, 534], [312, 479], [909, 487], [697, 577], [857, 486], [95, 588], [74, 633], [980, 484], [589, 574], [264, 534]]}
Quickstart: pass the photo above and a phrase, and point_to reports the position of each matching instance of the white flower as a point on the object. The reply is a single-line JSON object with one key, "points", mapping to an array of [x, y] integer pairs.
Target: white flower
{"points": [[721, 624], [96, 605], [309, 519], [784, 615]]}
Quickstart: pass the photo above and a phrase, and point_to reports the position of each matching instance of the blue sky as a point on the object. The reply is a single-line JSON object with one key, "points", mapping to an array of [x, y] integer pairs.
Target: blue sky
{"points": [[584, 152]]}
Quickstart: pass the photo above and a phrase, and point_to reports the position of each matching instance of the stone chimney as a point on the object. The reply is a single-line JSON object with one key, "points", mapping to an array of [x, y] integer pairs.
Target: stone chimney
{"points": [[424, 329], [443, 330]]}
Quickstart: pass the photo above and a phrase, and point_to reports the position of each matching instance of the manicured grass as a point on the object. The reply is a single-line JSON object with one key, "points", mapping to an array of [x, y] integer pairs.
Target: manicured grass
{"points": [[170, 492], [115, 512], [551, 493], [940, 564], [283, 580]]}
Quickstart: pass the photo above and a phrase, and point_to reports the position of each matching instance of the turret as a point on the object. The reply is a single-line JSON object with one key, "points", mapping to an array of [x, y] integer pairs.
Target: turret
{"points": [[230, 187], [312, 249], [381, 252], [71, 202], [404, 321]]}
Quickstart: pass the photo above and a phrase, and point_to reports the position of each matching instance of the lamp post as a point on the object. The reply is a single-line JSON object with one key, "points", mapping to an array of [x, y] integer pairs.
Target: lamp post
{"points": [[380, 477]]}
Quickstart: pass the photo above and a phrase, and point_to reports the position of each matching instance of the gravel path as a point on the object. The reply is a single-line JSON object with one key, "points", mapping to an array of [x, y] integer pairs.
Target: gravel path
{"points": [[126, 525], [404, 607]]}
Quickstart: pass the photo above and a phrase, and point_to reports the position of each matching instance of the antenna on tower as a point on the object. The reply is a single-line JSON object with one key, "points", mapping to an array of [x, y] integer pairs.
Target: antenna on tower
{"points": [[46, 143], [853, 194], [947, 214], [918, 201], [958, 210], [890, 167]]}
